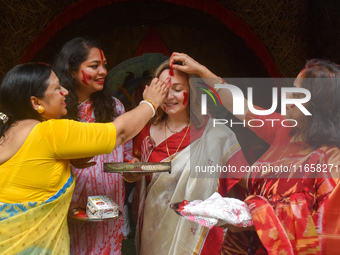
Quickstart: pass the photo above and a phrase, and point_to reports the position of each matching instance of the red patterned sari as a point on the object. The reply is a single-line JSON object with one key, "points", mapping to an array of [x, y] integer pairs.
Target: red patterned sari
{"points": [[289, 201]]}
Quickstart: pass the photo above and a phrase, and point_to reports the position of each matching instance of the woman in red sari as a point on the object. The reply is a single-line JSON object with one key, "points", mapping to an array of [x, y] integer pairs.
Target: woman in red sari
{"points": [[167, 138], [293, 211]]}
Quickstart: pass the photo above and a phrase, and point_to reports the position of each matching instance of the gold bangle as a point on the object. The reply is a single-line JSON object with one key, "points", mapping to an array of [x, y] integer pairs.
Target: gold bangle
{"points": [[152, 102]]}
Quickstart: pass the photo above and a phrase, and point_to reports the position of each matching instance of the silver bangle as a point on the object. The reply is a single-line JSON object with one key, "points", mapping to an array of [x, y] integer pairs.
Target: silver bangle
{"points": [[147, 102]]}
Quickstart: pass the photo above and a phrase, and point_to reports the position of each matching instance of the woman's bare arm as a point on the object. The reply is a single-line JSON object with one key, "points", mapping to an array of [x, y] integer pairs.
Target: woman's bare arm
{"points": [[190, 66], [129, 124]]}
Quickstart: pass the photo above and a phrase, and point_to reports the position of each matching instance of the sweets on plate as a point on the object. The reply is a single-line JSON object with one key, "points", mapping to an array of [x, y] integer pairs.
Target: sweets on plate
{"points": [[154, 167], [80, 213], [100, 207]]}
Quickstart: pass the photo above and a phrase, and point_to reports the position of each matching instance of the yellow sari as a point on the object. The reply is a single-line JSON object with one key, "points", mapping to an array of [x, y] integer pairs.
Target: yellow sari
{"points": [[37, 227]]}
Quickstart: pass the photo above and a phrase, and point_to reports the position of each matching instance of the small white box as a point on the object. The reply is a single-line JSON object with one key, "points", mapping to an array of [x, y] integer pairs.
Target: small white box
{"points": [[99, 207]]}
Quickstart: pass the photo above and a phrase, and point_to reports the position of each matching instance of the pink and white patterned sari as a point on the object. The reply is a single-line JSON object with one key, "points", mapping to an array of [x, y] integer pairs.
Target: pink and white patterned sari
{"points": [[99, 237]]}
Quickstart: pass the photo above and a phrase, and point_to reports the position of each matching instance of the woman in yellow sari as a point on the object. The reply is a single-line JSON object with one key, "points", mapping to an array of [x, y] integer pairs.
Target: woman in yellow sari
{"points": [[35, 151]]}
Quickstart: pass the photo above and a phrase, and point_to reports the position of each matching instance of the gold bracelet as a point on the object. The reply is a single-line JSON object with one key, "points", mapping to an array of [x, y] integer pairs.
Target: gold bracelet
{"points": [[152, 102]]}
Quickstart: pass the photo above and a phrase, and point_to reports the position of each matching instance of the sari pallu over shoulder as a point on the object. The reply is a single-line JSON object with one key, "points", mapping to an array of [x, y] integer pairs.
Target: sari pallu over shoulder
{"points": [[37, 227], [164, 232]]}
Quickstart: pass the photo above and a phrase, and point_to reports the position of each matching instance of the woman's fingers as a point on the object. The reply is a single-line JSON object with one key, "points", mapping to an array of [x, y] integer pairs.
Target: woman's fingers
{"points": [[188, 65], [157, 90], [160, 84], [176, 57], [134, 160], [166, 84]]}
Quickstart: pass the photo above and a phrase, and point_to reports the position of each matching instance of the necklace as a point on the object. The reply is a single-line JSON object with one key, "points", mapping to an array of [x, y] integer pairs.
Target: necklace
{"points": [[166, 142], [81, 102], [174, 132]]}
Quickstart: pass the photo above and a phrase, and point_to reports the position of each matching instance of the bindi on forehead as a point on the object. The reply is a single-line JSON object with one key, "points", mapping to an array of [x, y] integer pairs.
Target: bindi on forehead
{"points": [[171, 72]]}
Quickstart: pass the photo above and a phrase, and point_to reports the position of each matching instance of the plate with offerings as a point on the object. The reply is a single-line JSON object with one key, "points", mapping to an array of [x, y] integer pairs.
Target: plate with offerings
{"points": [[99, 208], [79, 214], [138, 167], [215, 211]]}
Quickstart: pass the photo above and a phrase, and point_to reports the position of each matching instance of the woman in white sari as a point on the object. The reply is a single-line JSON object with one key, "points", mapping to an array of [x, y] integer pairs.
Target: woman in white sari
{"points": [[159, 229]]}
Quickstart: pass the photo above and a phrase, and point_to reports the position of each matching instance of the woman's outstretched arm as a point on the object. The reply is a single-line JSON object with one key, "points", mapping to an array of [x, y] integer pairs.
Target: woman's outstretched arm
{"points": [[190, 66], [131, 123]]}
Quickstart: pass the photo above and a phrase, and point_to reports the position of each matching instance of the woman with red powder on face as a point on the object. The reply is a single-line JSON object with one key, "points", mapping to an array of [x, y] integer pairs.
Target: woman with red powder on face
{"points": [[167, 138], [35, 151], [81, 68]]}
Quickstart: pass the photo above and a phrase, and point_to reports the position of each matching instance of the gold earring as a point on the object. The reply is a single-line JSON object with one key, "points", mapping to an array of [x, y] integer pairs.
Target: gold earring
{"points": [[40, 109]]}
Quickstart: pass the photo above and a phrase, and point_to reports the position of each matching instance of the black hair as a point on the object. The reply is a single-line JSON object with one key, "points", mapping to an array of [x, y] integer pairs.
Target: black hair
{"points": [[18, 85], [69, 59]]}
